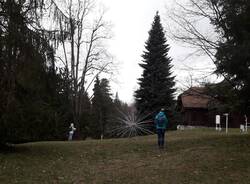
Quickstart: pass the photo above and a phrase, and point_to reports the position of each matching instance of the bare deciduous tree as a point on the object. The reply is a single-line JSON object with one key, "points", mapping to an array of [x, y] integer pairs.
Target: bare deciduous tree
{"points": [[82, 31], [192, 24]]}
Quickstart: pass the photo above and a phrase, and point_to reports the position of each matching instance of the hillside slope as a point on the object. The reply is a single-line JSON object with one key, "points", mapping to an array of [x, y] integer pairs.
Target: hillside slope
{"points": [[192, 156]]}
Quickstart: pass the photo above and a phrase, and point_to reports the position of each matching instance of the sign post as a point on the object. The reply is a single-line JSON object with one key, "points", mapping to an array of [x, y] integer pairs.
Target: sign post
{"points": [[217, 123], [226, 114], [246, 123]]}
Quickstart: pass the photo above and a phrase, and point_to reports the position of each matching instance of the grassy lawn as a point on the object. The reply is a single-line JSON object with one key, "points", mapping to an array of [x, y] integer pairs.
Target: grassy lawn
{"points": [[192, 156]]}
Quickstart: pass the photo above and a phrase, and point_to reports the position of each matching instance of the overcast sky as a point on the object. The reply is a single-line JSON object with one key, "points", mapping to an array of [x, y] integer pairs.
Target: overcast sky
{"points": [[131, 21]]}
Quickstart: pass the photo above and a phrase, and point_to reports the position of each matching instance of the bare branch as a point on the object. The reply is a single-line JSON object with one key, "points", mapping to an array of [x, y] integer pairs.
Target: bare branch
{"points": [[187, 19]]}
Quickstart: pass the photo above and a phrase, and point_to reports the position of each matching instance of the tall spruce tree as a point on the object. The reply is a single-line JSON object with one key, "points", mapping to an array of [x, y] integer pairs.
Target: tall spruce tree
{"points": [[157, 83], [101, 106]]}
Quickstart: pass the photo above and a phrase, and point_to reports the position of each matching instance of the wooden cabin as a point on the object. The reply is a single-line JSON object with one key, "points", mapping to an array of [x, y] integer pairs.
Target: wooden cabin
{"points": [[195, 108], [193, 105]]}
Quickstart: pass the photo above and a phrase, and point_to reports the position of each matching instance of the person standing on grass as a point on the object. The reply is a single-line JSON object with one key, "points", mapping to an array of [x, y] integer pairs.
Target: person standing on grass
{"points": [[72, 129], [161, 125]]}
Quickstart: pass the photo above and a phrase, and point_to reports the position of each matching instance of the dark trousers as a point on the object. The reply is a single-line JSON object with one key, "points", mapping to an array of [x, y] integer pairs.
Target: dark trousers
{"points": [[161, 136]]}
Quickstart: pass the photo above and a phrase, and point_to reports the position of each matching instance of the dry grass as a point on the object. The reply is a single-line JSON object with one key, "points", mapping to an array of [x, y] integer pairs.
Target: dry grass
{"points": [[192, 156]]}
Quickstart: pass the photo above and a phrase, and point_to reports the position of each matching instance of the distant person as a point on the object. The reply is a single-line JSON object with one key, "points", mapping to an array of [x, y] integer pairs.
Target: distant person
{"points": [[161, 125], [72, 129]]}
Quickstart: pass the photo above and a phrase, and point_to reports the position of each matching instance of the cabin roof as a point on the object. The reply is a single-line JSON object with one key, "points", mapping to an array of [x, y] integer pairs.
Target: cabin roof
{"points": [[195, 97]]}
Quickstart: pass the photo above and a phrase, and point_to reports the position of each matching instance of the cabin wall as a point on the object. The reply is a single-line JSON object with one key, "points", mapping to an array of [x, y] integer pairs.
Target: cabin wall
{"points": [[195, 117], [203, 117]]}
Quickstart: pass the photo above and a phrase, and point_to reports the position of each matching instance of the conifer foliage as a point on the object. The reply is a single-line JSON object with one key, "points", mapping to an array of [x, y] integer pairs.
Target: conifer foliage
{"points": [[232, 56], [157, 82], [101, 108], [32, 103]]}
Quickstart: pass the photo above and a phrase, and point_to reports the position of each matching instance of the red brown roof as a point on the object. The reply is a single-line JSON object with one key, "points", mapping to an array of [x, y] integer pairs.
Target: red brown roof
{"points": [[195, 98]]}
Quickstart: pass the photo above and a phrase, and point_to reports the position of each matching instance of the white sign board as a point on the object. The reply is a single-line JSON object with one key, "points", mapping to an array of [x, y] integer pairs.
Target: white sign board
{"points": [[217, 119]]}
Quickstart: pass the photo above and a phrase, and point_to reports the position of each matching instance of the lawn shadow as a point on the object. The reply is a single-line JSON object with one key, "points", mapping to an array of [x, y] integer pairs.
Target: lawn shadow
{"points": [[12, 149]]}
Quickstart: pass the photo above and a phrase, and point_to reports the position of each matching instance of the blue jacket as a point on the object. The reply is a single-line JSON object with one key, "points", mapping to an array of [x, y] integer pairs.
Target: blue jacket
{"points": [[159, 116]]}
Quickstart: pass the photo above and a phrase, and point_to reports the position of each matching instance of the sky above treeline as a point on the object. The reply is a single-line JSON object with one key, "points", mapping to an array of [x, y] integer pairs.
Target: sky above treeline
{"points": [[131, 20]]}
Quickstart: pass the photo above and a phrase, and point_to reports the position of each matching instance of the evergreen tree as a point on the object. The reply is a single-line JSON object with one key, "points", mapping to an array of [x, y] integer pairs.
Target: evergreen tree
{"points": [[232, 57], [31, 96], [95, 130], [157, 83], [86, 117], [101, 105], [224, 97], [117, 101]]}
